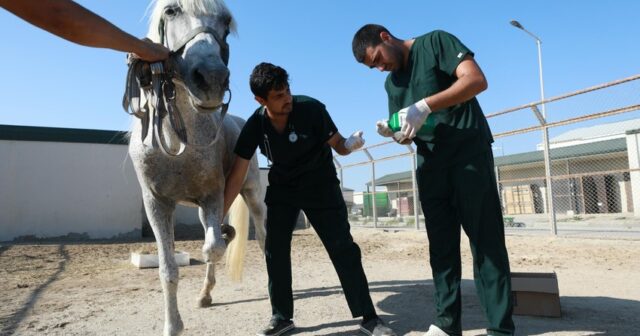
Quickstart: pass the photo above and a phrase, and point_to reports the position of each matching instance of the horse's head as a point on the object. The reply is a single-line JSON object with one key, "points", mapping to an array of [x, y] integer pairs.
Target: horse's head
{"points": [[196, 31]]}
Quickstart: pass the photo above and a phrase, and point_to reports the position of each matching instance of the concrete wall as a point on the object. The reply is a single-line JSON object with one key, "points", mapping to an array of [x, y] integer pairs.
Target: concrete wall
{"points": [[50, 189], [57, 182]]}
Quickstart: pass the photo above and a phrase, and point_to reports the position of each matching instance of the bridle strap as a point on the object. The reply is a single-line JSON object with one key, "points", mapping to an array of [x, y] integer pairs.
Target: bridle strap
{"points": [[193, 33], [224, 47], [136, 83], [163, 100]]}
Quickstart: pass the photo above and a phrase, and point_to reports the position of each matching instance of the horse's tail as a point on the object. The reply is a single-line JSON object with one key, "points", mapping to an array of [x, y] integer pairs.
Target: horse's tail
{"points": [[239, 219]]}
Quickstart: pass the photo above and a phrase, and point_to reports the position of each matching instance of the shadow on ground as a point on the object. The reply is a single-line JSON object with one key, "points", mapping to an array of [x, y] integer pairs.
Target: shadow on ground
{"points": [[409, 308], [11, 322]]}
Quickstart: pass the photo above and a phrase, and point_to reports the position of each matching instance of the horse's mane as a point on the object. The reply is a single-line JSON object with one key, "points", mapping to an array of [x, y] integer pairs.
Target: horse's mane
{"points": [[191, 7]]}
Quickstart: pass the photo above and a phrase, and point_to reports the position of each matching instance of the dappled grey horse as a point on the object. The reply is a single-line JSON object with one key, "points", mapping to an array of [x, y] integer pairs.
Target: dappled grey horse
{"points": [[182, 147]]}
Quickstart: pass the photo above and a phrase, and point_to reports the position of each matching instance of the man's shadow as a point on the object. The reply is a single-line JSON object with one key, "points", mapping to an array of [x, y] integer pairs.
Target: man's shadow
{"points": [[410, 308]]}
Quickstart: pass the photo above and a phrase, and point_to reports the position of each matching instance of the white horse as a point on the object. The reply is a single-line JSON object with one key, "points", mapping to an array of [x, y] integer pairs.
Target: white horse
{"points": [[184, 157]]}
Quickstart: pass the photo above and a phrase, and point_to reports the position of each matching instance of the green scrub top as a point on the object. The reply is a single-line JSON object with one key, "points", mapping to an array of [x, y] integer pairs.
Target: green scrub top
{"points": [[302, 170], [453, 133]]}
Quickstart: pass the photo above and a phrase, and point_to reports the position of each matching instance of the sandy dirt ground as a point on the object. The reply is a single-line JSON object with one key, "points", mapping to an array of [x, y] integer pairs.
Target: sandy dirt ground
{"points": [[92, 289]]}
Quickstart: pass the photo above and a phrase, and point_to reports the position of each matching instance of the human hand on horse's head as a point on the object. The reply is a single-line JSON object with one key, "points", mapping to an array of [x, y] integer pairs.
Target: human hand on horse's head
{"points": [[150, 51]]}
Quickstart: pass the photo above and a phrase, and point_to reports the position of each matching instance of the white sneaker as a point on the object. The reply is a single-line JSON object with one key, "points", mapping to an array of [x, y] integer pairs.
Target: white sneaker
{"points": [[435, 331]]}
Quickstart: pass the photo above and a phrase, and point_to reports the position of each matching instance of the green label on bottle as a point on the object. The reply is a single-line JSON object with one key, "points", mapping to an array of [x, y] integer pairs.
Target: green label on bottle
{"points": [[397, 120]]}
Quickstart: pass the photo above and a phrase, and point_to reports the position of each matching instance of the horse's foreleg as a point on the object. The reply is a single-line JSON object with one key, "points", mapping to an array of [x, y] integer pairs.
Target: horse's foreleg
{"points": [[211, 218], [213, 248], [160, 217]]}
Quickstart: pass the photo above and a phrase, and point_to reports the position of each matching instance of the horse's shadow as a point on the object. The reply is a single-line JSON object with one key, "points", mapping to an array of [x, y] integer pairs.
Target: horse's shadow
{"points": [[10, 322], [409, 308]]}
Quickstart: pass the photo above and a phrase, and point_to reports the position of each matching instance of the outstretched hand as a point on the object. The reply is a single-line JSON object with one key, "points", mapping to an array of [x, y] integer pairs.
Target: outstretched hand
{"points": [[355, 141]]}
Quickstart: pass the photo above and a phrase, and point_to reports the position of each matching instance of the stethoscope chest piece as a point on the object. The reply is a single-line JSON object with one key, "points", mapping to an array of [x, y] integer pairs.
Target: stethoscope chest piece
{"points": [[293, 137]]}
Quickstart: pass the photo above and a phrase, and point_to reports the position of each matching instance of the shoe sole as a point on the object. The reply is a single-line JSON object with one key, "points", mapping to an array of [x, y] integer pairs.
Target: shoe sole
{"points": [[365, 331], [288, 328]]}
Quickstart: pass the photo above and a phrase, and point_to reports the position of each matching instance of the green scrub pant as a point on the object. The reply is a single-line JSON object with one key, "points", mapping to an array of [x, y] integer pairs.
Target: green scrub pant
{"points": [[465, 193], [332, 227]]}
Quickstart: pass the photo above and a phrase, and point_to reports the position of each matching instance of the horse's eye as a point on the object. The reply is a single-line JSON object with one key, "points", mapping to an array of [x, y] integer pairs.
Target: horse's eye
{"points": [[171, 11]]}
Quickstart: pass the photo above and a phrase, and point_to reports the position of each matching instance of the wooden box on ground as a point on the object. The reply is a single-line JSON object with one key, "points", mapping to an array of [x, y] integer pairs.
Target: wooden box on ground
{"points": [[535, 294]]}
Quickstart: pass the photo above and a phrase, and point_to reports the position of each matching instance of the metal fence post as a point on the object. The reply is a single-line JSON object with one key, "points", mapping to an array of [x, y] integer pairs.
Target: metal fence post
{"points": [[551, 212], [547, 173], [373, 194], [373, 187], [416, 213]]}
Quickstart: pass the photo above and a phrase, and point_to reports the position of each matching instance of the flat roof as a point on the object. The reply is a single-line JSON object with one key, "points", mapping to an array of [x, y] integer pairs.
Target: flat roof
{"points": [[582, 150], [55, 134]]}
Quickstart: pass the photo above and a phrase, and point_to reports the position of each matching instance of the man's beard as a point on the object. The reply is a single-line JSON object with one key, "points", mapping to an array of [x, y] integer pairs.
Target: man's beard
{"points": [[398, 58], [286, 109]]}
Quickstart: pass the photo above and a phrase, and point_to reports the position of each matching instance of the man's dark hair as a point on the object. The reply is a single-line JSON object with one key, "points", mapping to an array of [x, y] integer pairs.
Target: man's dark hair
{"points": [[266, 77], [365, 37]]}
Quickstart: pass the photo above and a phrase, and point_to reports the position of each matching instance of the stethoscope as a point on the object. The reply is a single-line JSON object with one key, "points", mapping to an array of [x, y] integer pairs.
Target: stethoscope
{"points": [[293, 137]]}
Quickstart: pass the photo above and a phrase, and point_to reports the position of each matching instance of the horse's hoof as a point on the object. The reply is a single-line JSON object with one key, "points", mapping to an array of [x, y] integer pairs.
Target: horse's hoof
{"points": [[173, 330], [204, 302], [228, 233]]}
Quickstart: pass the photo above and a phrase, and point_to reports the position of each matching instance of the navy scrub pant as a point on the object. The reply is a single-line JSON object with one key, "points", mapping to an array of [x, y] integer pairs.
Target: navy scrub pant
{"points": [[332, 226]]}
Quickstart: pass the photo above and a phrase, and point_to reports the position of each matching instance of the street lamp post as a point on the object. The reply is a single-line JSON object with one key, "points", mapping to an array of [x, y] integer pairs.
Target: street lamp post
{"points": [[545, 132], [539, 44]]}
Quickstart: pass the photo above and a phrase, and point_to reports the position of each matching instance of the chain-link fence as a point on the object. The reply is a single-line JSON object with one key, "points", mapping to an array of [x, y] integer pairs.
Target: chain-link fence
{"points": [[586, 147]]}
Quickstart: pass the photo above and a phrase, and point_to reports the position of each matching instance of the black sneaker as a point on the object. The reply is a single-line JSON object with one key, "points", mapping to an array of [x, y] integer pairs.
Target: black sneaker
{"points": [[277, 327], [376, 327]]}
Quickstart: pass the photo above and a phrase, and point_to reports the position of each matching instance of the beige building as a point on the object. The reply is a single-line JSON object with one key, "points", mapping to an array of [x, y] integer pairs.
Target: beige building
{"points": [[591, 169]]}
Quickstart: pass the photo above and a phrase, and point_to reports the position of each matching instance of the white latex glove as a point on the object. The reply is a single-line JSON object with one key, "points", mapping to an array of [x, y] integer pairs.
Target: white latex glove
{"points": [[399, 137], [383, 128], [354, 142], [416, 115]]}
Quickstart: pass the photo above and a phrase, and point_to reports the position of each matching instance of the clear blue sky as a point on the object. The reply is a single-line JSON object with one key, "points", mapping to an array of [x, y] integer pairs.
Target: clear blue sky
{"points": [[48, 81]]}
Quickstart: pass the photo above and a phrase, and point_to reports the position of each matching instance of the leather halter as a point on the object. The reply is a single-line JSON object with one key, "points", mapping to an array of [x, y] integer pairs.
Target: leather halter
{"points": [[155, 80]]}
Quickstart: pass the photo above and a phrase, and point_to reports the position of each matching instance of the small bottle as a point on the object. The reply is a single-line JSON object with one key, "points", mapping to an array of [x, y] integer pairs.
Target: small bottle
{"points": [[397, 120]]}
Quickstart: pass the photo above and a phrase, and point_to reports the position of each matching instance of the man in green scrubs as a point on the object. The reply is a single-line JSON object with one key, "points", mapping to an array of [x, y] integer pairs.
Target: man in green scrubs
{"points": [[434, 80], [296, 135]]}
